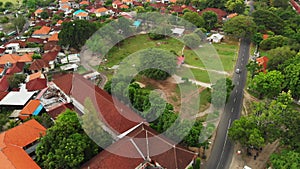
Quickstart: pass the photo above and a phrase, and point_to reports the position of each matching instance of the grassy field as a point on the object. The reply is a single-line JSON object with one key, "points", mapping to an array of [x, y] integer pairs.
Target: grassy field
{"points": [[222, 53], [13, 1]]}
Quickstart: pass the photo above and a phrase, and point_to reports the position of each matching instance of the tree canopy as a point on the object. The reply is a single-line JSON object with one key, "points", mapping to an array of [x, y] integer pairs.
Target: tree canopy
{"points": [[76, 33], [210, 19], [221, 91], [65, 144], [267, 84], [194, 18], [269, 20], [240, 26]]}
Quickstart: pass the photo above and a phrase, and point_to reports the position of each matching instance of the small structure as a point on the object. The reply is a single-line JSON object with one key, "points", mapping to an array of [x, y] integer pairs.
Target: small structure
{"points": [[263, 61], [69, 67], [180, 60], [177, 31], [32, 108], [73, 58], [101, 12], [137, 23], [216, 38], [81, 14]]}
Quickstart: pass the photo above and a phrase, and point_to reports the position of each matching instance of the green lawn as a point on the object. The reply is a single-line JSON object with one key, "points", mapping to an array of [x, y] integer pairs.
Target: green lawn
{"points": [[212, 57], [204, 96], [13, 1]]}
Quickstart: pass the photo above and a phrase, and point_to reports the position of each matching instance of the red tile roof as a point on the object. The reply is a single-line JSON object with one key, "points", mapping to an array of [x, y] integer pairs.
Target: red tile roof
{"points": [[54, 37], [16, 68], [28, 110], [81, 89], [128, 152], [58, 110], [4, 84], [35, 40], [35, 75], [50, 45], [100, 10], [11, 58], [36, 84], [263, 61], [3, 94], [50, 56], [220, 13], [38, 64], [12, 142], [43, 31]]}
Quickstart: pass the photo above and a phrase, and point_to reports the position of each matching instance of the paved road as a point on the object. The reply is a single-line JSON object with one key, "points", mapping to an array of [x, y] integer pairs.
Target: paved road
{"points": [[222, 150]]}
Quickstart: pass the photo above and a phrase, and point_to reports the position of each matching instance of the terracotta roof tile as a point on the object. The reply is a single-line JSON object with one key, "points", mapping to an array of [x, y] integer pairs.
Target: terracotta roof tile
{"points": [[26, 58], [54, 37], [11, 58], [12, 142], [50, 56], [124, 6], [82, 14], [73, 84], [84, 3], [43, 31], [100, 10], [50, 45], [58, 110], [59, 22], [35, 40], [4, 84], [35, 75], [142, 141], [38, 64], [30, 107], [16, 68], [36, 84], [38, 11]]}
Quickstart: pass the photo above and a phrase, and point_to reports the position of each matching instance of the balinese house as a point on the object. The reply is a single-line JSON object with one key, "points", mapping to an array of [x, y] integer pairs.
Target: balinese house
{"points": [[17, 145]]}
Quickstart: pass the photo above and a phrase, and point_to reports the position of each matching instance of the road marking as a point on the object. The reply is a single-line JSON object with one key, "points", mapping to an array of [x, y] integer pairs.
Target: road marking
{"points": [[239, 76], [232, 110], [234, 100], [224, 143], [236, 91], [238, 83], [242, 59]]}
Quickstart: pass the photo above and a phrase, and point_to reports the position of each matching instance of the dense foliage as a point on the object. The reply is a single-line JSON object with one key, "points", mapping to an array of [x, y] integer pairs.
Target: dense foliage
{"points": [[65, 144], [240, 26]]}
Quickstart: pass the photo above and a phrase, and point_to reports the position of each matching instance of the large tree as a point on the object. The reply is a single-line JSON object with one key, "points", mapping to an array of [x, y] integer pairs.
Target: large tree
{"points": [[240, 26], [286, 159], [221, 91], [192, 40], [157, 64], [278, 56], [292, 79], [15, 80], [210, 19], [65, 144], [274, 42], [237, 6], [76, 33], [194, 18], [19, 22], [267, 84], [269, 20]]}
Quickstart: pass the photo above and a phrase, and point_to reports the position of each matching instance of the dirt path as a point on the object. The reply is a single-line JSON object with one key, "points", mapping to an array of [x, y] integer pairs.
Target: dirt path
{"points": [[210, 70], [240, 160]]}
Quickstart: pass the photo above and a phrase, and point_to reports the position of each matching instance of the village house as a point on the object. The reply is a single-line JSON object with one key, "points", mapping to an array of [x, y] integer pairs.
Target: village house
{"points": [[42, 32], [17, 145]]}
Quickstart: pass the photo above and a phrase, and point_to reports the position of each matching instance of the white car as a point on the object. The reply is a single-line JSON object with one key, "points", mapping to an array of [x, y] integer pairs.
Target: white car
{"points": [[237, 71]]}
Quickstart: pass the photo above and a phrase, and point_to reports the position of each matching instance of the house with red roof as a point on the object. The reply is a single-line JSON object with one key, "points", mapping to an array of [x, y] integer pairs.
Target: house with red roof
{"points": [[39, 65], [36, 81], [108, 108], [220, 13], [42, 32], [32, 108], [142, 147], [101, 11], [263, 61], [17, 145]]}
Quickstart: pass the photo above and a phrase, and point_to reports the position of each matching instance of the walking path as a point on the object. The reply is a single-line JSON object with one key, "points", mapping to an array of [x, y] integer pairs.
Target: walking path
{"points": [[179, 80], [210, 70], [87, 56]]}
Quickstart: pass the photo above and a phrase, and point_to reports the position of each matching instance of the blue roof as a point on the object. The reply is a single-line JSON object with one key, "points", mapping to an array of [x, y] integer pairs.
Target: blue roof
{"points": [[137, 23], [79, 11], [37, 110]]}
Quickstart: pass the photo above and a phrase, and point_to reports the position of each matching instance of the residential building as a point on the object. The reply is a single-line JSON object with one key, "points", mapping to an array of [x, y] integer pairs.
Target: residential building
{"points": [[42, 32], [17, 145]]}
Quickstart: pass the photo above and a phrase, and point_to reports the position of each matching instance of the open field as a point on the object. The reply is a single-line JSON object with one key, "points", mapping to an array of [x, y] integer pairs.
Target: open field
{"points": [[225, 52]]}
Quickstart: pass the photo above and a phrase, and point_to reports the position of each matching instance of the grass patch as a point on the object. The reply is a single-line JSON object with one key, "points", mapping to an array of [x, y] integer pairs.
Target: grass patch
{"points": [[204, 96], [197, 74], [81, 70]]}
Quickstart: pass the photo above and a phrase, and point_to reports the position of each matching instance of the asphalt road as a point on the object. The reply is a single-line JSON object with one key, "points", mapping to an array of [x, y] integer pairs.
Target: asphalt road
{"points": [[222, 150]]}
